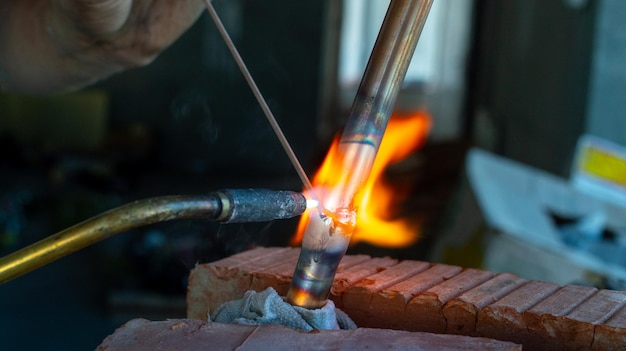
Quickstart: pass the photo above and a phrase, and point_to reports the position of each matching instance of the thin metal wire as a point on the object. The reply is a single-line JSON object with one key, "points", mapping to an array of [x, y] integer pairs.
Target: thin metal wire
{"points": [[259, 97]]}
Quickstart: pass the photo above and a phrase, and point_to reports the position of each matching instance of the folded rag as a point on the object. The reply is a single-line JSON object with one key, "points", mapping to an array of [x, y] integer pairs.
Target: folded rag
{"points": [[267, 307]]}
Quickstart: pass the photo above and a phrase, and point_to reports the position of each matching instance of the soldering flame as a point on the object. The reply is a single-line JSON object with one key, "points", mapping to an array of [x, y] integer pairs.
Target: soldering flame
{"points": [[311, 203], [378, 200]]}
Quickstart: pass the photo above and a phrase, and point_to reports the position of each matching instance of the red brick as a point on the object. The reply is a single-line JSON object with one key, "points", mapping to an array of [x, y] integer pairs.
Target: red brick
{"points": [[611, 335], [610, 320], [461, 312], [392, 301], [350, 275], [276, 273], [503, 319], [191, 335], [346, 265], [358, 298], [426, 309], [351, 260], [247, 256], [269, 259], [234, 276], [546, 323], [584, 317]]}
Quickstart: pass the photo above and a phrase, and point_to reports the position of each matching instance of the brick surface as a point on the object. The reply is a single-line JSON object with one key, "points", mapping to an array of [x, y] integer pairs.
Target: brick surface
{"points": [[235, 275], [426, 308], [461, 313], [586, 316], [191, 335], [547, 323], [351, 275], [503, 318], [612, 332], [358, 299], [426, 297], [276, 273], [247, 256], [396, 297]]}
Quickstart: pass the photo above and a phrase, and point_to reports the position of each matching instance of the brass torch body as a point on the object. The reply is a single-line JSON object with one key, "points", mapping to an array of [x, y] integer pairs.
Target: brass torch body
{"points": [[226, 206]]}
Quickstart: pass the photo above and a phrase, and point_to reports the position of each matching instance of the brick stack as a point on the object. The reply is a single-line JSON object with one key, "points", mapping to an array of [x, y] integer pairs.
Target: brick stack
{"points": [[437, 298]]}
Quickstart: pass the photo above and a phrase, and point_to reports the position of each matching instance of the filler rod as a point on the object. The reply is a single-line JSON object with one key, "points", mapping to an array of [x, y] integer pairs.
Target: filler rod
{"points": [[259, 97]]}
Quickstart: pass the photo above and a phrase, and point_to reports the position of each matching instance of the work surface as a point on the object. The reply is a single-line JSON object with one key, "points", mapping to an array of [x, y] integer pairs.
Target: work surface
{"points": [[420, 296], [192, 334]]}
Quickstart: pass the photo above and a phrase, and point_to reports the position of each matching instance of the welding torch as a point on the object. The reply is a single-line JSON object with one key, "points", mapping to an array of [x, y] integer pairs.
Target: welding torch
{"points": [[225, 206]]}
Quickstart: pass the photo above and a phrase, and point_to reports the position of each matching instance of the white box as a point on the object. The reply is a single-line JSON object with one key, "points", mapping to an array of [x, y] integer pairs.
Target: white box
{"points": [[517, 205]]}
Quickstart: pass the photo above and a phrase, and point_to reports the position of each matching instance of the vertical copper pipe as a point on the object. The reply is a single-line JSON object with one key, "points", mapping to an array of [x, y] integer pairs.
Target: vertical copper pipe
{"points": [[326, 238]]}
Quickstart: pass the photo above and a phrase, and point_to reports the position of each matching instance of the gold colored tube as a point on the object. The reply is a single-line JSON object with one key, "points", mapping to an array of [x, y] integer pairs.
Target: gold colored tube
{"points": [[226, 206], [105, 225]]}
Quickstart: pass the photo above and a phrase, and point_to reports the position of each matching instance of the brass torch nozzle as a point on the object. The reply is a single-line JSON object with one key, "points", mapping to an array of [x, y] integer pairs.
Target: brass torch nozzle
{"points": [[227, 206]]}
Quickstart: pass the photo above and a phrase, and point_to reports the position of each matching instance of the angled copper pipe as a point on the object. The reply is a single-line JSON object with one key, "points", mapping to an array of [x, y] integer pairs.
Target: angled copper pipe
{"points": [[327, 236]]}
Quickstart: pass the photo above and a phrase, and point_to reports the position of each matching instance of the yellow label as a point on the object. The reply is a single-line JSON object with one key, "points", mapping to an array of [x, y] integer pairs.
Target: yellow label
{"points": [[605, 165]]}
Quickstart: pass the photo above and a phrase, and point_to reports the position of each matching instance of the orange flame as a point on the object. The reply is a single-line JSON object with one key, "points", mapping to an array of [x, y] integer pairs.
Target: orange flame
{"points": [[377, 199]]}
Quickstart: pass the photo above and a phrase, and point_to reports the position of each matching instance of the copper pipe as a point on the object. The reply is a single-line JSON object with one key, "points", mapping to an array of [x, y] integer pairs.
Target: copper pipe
{"points": [[378, 91], [326, 239]]}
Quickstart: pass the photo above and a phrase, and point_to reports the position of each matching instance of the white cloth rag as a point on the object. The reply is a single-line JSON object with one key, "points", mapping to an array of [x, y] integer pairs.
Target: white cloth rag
{"points": [[267, 307]]}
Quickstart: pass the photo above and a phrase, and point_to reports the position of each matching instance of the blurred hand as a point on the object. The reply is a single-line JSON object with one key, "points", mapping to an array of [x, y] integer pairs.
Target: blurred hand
{"points": [[51, 46], [130, 33]]}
